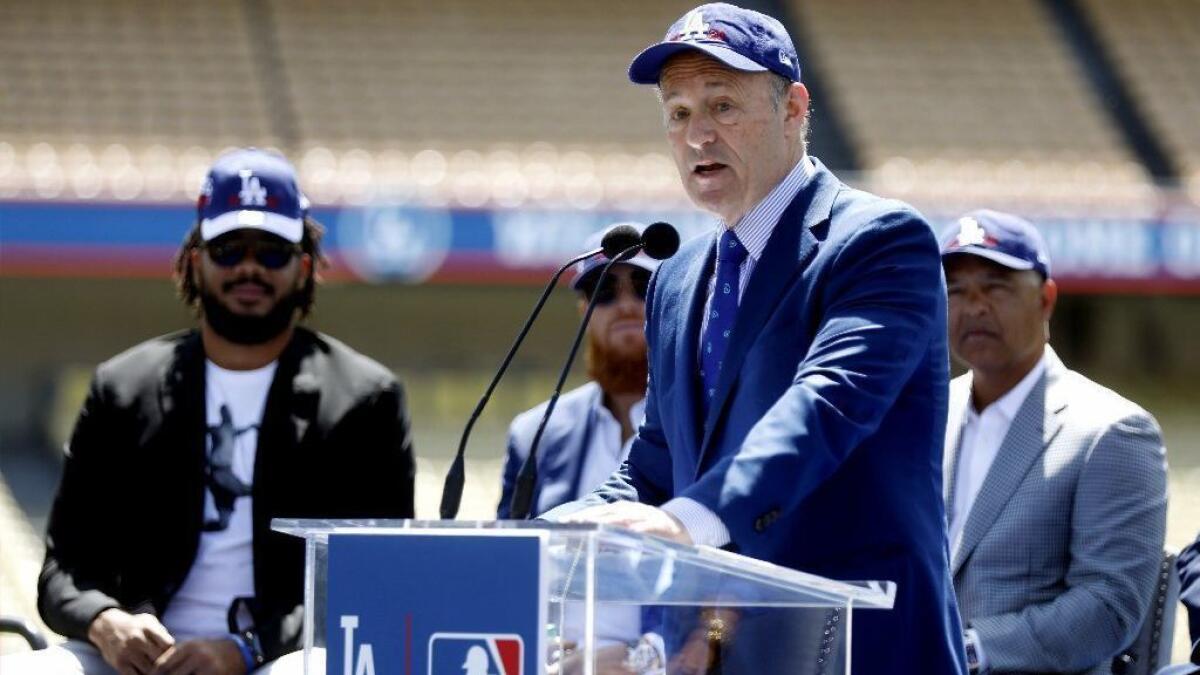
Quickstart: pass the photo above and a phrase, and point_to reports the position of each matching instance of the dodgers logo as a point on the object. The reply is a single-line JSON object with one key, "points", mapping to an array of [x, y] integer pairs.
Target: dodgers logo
{"points": [[972, 233], [252, 192], [475, 654], [384, 242], [694, 27]]}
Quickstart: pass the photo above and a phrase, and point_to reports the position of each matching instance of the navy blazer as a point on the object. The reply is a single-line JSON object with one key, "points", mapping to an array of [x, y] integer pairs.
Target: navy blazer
{"points": [[823, 450]]}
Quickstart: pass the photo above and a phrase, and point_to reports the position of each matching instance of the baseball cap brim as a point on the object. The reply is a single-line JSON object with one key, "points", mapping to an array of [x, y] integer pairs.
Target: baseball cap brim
{"points": [[647, 66], [597, 263], [1009, 261], [291, 229]]}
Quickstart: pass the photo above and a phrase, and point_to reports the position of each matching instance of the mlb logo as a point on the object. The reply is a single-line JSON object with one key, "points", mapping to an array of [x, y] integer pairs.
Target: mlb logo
{"points": [[475, 654]]}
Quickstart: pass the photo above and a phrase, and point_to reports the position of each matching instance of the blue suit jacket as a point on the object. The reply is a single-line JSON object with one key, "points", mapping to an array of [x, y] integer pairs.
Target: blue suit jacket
{"points": [[823, 451], [560, 455]]}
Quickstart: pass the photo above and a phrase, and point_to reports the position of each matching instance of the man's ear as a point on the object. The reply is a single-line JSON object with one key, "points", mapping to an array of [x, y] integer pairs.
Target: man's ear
{"points": [[306, 268], [1049, 298], [796, 105], [194, 256]]}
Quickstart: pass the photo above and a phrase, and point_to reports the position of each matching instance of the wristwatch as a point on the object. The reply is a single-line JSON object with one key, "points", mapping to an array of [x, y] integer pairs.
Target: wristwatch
{"points": [[972, 655], [245, 636]]}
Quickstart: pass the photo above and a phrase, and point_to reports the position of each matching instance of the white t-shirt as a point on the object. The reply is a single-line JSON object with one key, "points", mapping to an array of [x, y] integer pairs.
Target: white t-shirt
{"points": [[224, 564]]}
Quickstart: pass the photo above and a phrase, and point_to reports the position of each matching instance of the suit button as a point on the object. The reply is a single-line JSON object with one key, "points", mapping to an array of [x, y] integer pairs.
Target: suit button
{"points": [[759, 525], [768, 518]]}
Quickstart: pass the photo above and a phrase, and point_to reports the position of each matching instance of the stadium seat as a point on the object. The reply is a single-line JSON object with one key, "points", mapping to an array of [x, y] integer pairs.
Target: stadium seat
{"points": [[1156, 46], [956, 79], [1152, 649], [18, 626]]}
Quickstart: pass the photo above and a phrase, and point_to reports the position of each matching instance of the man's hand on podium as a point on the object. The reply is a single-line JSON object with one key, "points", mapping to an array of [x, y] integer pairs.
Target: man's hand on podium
{"points": [[637, 517]]}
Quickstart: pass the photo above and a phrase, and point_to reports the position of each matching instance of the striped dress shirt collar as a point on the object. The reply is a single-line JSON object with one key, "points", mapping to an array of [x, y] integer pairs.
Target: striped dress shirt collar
{"points": [[755, 228]]}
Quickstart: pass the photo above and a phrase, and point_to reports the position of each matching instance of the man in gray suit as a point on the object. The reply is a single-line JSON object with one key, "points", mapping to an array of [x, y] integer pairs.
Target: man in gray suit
{"points": [[1055, 487]]}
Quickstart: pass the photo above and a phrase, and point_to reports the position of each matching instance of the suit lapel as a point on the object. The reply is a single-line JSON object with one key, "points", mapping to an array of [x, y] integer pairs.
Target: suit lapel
{"points": [[1034, 427], [692, 291], [581, 437], [560, 466], [783, 260], [960, 397], [181, 400], [1056, 397], [291, 407]]}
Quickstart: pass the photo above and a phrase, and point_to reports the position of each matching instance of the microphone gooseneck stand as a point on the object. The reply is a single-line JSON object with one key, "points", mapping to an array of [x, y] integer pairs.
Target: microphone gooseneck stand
{"points": [[659, 241], [527, 479], [617, 240]]}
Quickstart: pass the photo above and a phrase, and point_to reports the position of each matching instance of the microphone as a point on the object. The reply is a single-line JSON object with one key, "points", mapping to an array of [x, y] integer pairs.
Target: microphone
{"points": [[615, 241], [621, 238], [659, 241]]}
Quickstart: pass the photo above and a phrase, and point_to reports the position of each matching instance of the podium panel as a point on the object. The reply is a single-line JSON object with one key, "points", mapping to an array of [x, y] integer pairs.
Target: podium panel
{"points": [[509, 597]]}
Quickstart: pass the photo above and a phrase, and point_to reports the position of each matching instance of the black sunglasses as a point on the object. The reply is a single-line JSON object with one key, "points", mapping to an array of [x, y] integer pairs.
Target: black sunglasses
{"points": [[606, 293], [272, 255]]}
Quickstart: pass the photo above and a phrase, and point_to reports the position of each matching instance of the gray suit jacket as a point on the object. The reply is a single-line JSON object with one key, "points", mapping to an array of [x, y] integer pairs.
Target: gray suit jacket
{"points": [[1059, 552]]}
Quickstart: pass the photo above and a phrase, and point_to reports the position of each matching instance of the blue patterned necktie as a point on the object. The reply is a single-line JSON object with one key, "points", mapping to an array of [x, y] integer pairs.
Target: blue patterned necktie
{"points": [[722, 312]]}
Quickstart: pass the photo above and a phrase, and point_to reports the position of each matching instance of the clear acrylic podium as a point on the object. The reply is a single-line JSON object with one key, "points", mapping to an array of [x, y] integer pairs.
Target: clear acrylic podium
{"points": [[656, 606]]}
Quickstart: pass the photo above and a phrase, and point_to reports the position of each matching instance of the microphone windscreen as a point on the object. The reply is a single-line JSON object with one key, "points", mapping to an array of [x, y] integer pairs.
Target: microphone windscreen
{"points": [[618, 239], [660, 241]]}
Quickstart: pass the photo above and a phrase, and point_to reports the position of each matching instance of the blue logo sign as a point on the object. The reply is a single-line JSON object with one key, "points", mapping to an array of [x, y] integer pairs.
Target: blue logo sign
{"points": [[394, 243], [436, 602], [475, 654]]}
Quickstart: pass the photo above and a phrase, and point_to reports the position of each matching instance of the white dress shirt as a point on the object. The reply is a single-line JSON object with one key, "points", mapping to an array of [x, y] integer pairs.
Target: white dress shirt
{"points": [[753, 230], [980, 441], [606, 450]]}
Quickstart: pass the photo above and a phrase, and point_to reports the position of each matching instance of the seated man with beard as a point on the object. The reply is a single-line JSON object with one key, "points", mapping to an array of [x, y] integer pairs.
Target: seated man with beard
{"points": [[159, 552], [589, 434]]}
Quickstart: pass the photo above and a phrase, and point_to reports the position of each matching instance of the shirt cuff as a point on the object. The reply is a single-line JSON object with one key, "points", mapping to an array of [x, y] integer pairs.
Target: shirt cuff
{"points": [[702, 525], [973, 636]]}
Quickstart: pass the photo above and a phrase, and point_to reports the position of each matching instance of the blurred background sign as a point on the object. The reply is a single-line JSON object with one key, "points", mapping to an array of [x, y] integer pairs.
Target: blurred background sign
{"points": [[387, 242]]}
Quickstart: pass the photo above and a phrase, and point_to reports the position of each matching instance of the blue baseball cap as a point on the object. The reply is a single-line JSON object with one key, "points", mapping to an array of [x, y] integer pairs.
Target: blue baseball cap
{"points": [[252, 189], [1000, 237], [589, 266], [742, 39]]}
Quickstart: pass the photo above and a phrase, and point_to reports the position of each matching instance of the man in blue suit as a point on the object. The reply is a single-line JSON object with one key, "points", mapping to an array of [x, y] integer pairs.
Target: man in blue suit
{"points": [[798, 360]]}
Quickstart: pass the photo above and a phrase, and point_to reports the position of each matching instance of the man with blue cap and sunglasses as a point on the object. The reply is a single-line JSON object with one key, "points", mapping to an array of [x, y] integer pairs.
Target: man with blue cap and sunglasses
{"points": [[1056, 487], [798, 365], [159, 552]]}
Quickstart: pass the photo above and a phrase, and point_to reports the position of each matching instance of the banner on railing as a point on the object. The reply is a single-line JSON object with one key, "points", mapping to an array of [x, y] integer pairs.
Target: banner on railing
{"points": [[383, 243]]}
